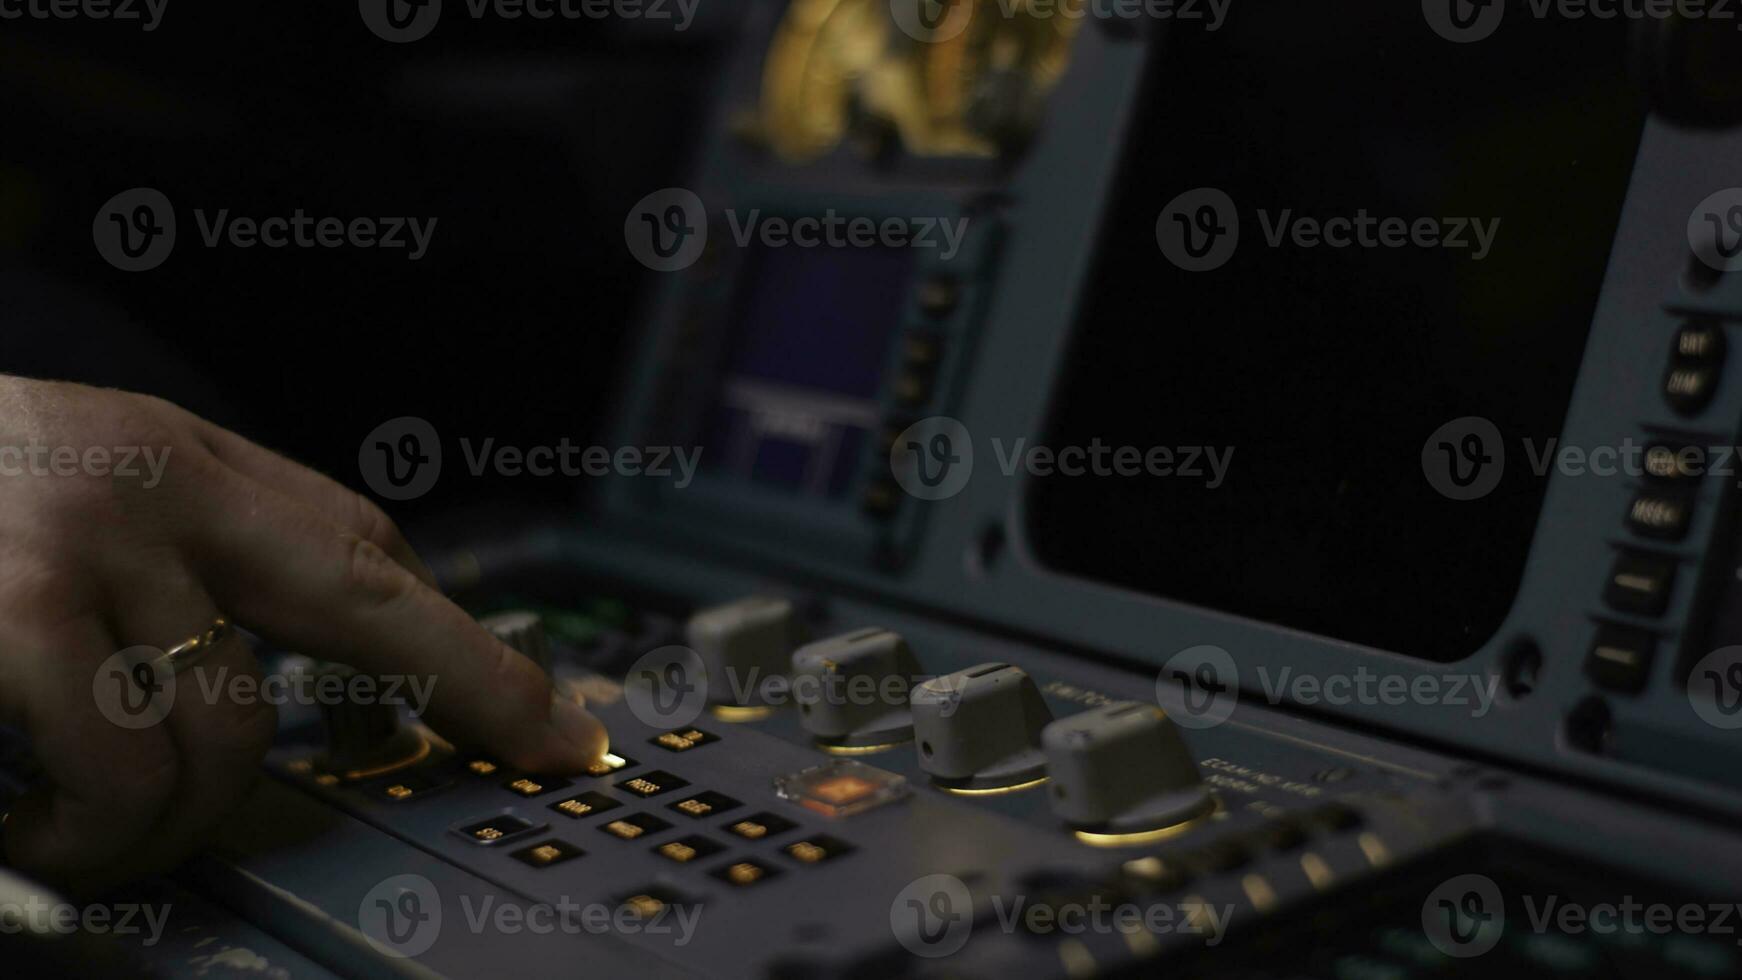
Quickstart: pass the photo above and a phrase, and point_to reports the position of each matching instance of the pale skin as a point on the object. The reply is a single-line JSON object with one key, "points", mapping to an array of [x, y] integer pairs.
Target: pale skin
{"points": [[93, 564]]}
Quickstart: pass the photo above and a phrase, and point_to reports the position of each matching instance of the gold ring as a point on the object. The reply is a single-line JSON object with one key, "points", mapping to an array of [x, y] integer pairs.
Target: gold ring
{"points": [[184, 654]]}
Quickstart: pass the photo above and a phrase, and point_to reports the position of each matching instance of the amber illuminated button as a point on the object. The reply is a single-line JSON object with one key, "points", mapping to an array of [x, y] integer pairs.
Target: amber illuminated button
{"points": [[650, 902], [816, 850], [743, 874], [497, 828], [547, 853], [704, 804], [530, 786], [684, 739], [609, 764], [483, 767], [405, 786], [651, 784], [584, 805], [687, 849], [841, 788], [760, 825], [635, 825]]}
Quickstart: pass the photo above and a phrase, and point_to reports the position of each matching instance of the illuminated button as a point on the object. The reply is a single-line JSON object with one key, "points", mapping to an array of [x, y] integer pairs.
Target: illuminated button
{"points": [[841, 788], [1640, 583], [1621, 657], [327, 779], [745, 873], [548, 853], [634, 826], [482, 767], [495, 829], [609, 764], [584, 805], [760, 825], [704, 805], [406, 786], [399, 791], [816, 850], [1674, 463], [530, 786], [651, 784], [687, 849], [684, 739], [649, 902], [1663, 515]]}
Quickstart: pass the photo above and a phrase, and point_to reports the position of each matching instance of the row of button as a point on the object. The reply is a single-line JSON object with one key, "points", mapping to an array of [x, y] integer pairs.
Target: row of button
{"points": [[921, 357]]}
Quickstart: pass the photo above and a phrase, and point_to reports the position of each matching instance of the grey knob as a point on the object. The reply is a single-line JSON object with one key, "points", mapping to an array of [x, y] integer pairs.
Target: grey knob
{"points": [[853, 689], [1122, 768], [524, 631], [980, 728], [364, 738], [744, 646]]}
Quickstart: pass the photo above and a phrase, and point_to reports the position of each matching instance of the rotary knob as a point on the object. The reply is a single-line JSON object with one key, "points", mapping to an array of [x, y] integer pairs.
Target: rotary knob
{"points": [[364, 737], [979, 729], [852, 690], [1122, 768], [524, 631], [745, 647]]}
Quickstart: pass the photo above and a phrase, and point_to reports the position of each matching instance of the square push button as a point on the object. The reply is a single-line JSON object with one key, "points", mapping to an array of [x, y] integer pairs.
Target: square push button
{"points": [[503, 826], [635, 825], [760, 825], [609, 764], [584, 805], [483, 767], [545, 854], [530, 786], [704, 804], [1620, 659], [745, 873], [1663, 514], [684, 739], [687, 849], [1640, 583], [816, 850], [651, 784]]}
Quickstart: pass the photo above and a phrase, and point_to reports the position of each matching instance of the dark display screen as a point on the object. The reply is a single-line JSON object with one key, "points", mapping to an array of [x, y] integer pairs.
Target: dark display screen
{"points": [[804, 364], [1323, 370]]}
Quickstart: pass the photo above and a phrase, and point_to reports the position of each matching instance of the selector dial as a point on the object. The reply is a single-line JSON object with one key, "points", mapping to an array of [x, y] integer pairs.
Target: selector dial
{"points": [[1122, 768], [366, 738], [979, 729], [745, 647], [853, 690]]}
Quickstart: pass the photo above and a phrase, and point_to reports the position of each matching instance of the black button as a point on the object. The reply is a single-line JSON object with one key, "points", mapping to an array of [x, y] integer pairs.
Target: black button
{"points": [[1620, 659], [1689, 387], [743, 874], [705, 804], [1674, 463], [546, 853], [1278, 835], [938, 296], [687, 849], [1640, 583], [1661, 514], [1700, 342], [530, 786], [584, 805], [634, 826], [1334, 818], [760, 825], [817, 849], [496, 829], [684, 739], [651, 783], [1216, 856]]}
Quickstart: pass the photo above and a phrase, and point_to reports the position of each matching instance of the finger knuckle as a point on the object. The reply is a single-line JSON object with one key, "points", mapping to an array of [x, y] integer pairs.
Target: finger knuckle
{"points": [[371, 575]]}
